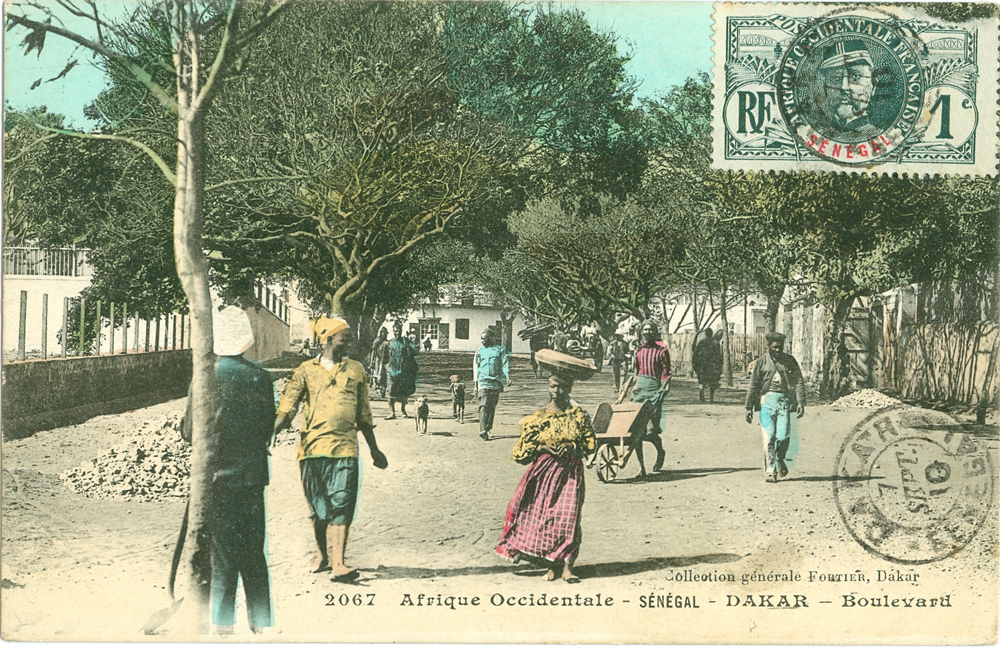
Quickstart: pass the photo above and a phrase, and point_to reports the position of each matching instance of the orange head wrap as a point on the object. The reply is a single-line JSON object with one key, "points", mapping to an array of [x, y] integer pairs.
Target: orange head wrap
{"points": [[325, 327]]}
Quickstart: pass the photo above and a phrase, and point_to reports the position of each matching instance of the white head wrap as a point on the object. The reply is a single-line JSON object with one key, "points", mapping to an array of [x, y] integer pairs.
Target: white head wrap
{"points": [[231, 331]]}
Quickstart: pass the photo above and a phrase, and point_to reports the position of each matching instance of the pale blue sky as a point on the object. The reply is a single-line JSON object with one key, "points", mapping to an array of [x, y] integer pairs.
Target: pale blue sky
{"points": [[670, 41]]}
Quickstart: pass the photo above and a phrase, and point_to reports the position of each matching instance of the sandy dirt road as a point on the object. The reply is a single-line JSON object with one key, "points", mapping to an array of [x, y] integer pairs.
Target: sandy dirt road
{"points": [[79, 568]]}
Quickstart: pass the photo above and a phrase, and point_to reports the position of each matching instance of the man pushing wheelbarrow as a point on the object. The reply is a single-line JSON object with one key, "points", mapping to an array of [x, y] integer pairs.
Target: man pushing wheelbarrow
{"points": [[652, 370]]}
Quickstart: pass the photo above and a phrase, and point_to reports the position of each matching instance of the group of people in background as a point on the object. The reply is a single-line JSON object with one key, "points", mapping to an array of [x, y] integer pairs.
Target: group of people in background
{"points": [[395, 363], [643, 355], [393, 367]]}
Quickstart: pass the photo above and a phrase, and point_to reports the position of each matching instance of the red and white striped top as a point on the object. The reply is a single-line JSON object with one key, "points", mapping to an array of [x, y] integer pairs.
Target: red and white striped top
{"points": [[652, 359]]}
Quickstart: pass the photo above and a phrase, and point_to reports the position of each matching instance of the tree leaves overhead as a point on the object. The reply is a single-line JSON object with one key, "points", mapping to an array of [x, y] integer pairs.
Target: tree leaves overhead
{"points": [[363, 133], [548, 78], [543, 73], [580, 269]]}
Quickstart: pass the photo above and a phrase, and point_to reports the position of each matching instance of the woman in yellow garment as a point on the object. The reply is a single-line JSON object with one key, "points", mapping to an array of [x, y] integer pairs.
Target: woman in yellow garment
{"points": [[543, 518]]}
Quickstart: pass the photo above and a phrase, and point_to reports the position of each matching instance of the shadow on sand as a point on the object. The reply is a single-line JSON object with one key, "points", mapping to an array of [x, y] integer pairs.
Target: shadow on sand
{"points": [[826, 478], [677, 475], [583, 570]]}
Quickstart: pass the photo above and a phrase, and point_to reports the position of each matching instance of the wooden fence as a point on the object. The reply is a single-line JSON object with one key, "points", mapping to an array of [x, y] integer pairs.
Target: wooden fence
{"points": [[743, 350], [942, 361], [72, 333]]}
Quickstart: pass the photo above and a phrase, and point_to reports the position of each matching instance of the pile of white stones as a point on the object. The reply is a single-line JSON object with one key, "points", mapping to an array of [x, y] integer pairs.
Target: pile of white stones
{"points": [[152, 463], [865, 399]]}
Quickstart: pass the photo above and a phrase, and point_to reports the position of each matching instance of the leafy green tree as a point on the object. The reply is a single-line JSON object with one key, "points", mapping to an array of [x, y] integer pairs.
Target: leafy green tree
{"points": [[859, 235], [369, 157], [579, 269], [400, 143], [65, 191], [546, 76]]}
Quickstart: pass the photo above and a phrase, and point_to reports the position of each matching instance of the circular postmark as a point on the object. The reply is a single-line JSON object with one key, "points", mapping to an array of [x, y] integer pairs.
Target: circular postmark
{"points": [[913, 486], [851, 87]]}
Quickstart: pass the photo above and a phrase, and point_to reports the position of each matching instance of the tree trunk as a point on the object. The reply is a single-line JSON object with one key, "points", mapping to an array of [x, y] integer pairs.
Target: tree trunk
{"points": [[695, 315], [836, 363], [368, 325], [727, 361], [773, 303], [507, 335], [192, 269]]}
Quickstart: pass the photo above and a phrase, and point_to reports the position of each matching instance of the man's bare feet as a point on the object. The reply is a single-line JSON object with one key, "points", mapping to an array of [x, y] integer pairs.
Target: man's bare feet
{"points": [[319, 564], [391, 417], [550, 575]]}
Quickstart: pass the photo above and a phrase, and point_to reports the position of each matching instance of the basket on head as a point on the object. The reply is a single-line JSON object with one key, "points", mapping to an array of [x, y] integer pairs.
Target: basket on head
{"points": [[565, 364]]}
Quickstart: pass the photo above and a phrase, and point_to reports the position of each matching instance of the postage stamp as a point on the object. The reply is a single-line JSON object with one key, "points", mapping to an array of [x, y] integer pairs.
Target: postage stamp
{"points": [[914, 486], [839, 88]]}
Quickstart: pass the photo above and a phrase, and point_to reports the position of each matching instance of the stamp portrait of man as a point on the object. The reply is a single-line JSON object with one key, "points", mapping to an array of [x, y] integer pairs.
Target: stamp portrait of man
{"points": [[849, 90]]}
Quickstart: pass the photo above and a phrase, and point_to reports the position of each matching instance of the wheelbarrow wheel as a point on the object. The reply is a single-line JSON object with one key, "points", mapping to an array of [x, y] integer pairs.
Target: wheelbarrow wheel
{"points": [[607, 463]]}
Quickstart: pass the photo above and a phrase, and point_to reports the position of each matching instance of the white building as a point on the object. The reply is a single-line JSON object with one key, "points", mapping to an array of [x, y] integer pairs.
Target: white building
{"points": [[45, 277], [676, 312], [49, 280], [455, 319]]}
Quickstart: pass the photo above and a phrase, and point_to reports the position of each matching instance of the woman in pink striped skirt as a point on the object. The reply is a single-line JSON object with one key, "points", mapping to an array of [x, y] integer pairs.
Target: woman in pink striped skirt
{"points": [[543, 519]]}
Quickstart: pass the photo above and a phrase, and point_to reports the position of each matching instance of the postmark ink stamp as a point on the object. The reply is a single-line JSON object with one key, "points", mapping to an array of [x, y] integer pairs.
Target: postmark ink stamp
{"points": [[854, 89], [913, 485]]}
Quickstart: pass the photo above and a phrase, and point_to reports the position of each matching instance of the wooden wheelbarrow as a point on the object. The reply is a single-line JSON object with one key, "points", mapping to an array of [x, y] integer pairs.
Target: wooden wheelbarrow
{"points": [[619, 427]]}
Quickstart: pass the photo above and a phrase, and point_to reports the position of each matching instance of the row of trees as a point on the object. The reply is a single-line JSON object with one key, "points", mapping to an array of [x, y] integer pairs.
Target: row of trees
{"points": [[478, 142], [401, 129], [687, 229]]}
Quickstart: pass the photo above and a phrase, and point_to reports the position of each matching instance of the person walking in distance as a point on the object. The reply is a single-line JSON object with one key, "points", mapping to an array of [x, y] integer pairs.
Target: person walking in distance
{"points": [[707, 363], [776, 390], [335, 389], [618, 358], [536, 343], [491, 373], [378, 362], [457, 390], [403, 367]]}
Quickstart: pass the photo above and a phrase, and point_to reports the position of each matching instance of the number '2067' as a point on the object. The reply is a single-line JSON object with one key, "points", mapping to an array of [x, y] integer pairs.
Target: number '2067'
{"points": [[345, 600]]}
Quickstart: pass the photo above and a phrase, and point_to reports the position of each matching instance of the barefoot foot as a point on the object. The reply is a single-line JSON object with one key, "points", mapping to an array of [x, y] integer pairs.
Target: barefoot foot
{"points": [[569, 576], [344, 574], [319, 565]]}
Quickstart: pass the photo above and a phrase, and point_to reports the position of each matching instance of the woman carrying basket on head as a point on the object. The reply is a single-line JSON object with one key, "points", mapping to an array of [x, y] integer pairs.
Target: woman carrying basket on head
{"points": [[543, 518]]}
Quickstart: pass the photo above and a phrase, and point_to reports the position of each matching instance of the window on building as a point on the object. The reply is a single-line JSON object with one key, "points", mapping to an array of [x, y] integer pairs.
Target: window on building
{"points": [[428, 329], [461, 329]]}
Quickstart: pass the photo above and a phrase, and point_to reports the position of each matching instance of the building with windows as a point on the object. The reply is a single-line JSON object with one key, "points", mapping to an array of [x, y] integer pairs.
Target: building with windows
{"points": [[41, 284], [454, 318]]}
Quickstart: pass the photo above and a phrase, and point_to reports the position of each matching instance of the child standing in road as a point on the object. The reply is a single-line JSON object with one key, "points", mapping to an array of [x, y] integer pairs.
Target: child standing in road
{"points": [[457, 398]]}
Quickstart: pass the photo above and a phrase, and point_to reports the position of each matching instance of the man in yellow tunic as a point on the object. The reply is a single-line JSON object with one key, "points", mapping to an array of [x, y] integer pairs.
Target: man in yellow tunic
{"points": [[335, 389]]}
